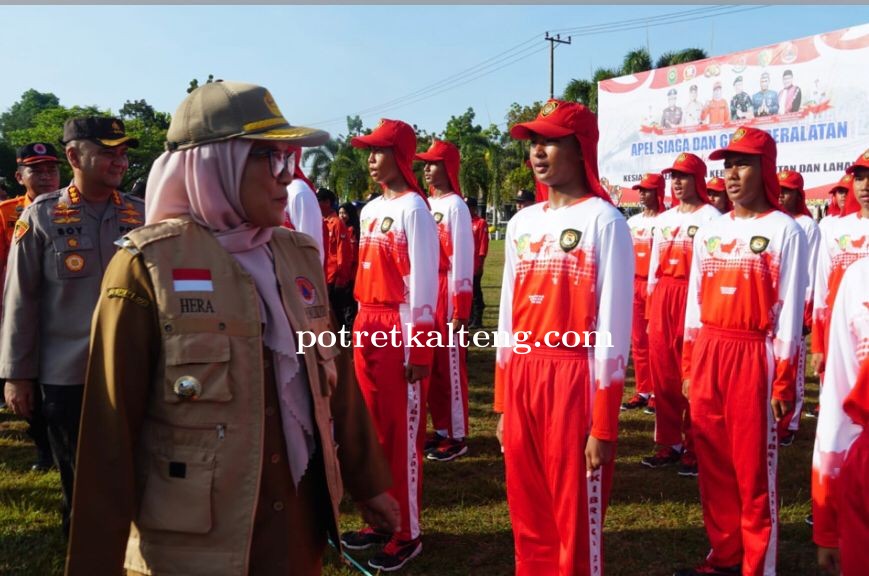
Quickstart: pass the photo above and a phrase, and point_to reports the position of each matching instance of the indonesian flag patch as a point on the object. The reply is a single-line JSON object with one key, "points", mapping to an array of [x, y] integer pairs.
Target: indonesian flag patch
{"points": [[192, 280]]}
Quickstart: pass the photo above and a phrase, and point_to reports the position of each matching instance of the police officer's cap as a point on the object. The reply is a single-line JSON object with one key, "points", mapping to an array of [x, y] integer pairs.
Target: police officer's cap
{"points": [[103, 130]]}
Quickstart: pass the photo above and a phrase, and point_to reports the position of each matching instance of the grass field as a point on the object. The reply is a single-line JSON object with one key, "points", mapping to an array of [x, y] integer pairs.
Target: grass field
{"points": [[653, 524]]}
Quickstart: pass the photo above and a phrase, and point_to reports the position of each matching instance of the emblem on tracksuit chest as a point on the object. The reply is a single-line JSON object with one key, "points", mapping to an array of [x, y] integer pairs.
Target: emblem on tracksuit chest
{"points": [[569, 239], [386, 224], [758, 244]]}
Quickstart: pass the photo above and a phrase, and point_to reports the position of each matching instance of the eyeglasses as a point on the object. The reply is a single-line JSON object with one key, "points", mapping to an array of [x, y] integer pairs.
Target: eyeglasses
{"points": [[279, 160]]}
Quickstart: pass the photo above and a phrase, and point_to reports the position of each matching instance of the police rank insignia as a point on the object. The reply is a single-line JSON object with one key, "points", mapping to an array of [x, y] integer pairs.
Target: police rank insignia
{"points": [[691, 231], [74, 262], [758, 244], [386, 224], [438, 217], [21, 228], [569, 239]]}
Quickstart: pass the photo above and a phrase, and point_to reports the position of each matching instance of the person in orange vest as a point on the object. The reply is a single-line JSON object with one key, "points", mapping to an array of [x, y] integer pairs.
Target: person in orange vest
{"points": [[481, 249], [337, 253], [39, 172]]}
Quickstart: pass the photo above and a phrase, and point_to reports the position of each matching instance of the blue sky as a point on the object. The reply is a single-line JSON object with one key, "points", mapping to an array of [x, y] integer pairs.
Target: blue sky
{"points": [[325, 62]]}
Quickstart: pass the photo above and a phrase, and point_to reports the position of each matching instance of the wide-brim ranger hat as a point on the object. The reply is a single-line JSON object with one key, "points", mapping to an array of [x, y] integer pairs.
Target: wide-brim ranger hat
{"points": [[103, 130], [36, 153], [558, 119], [758, 143], [446, 152], [688, 163], [793, 180], [398, 136], [223, 110], [652, 181]]}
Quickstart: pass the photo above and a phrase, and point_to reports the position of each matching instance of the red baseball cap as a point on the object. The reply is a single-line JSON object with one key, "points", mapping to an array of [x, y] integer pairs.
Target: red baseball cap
{"points": [[793, 180], [652, 181], [716, 184], [757, 143], [558, 119], [691, 164], [401, 138], [862, 162], [446, 152], [846, 183]]}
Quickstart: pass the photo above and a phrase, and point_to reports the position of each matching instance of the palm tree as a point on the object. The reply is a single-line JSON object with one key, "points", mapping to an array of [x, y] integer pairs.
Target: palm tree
{"points": [[636, 61], [578, 90], [319, 161], [680, 57]]}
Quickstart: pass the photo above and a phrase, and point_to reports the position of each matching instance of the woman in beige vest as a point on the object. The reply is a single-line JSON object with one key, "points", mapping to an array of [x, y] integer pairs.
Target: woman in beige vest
{"points": [[209, 446]]}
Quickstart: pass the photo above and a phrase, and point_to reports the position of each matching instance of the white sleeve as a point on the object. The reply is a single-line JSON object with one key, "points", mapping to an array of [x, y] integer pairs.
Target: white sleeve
{"points": [[304, 211], [615, 291], [793, 279], [813, 238], [423, 251], [820, 314], [654, 259], [504, 341], [462, 264]]}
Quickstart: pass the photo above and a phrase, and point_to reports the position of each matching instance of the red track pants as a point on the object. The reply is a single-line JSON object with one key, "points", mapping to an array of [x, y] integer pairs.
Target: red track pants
{"points": [[854, 508], [666, 327], [640, 339], [737, 447], [448, 385], [556, 511], [396, 407]]}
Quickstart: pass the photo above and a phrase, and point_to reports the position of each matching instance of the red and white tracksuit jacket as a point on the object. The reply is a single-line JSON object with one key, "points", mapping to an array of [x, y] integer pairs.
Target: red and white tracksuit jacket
{"points": [[843, 242], [743, 325], [813, 240], [641, 227], [448, 385], [840, 464], [565, 271], [303, 212], [396, 287], [669, 268]]}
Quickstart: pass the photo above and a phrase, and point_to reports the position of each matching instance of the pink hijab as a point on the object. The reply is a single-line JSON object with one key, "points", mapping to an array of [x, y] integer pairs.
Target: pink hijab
{"points": [[203, 183]]}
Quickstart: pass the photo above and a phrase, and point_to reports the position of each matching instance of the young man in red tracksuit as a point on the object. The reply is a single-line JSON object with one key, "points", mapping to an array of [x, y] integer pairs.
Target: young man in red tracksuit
{"points": [[480, 230], [396, 287], [448, 386], [669, 268], [338, 255], [717, 193], [840, 465], [793, 200], [651, 191], [559, 380], [844, 241], [743, 326]]}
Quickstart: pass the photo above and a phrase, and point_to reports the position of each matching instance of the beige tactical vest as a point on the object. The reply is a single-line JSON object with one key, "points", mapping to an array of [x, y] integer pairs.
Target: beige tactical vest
{"points": [[212, 346]]}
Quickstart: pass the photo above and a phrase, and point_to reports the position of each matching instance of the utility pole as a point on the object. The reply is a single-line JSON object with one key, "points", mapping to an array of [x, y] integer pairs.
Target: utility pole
{"points": [[552, 41]]}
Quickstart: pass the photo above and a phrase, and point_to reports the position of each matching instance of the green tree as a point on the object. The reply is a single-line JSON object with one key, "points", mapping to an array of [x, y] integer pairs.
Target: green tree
{"points": [[149, 126], [680, 57], [194, 84], [472, 144], [636, 61], [21, 114], [318, 163]]}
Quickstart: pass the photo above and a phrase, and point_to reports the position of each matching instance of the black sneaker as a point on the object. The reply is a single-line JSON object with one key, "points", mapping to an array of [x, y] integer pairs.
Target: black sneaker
{"points": [[432, 442], [787, 439], [810, 519], [650, 406], [636, 401], [707, 569], [813, 413], [396, 554], [365, 538], [665, 456], [449, 449], [42, 465], [688, 464]]}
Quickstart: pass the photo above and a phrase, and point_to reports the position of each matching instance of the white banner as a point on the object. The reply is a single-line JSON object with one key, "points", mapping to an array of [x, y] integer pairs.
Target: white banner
{"points": [[811, 94]]}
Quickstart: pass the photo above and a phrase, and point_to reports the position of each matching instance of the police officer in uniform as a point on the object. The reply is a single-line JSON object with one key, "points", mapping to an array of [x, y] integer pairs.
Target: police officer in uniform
{"points": [[672, 116], [38, 171], [61, 245]]}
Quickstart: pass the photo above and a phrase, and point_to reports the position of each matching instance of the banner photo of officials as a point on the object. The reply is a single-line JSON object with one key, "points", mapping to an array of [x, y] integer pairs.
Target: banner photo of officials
{"points": [[810, 94]]}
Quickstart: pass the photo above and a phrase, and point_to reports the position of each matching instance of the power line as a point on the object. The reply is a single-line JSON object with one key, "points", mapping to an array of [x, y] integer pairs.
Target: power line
{"points": [[526, 49]]}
